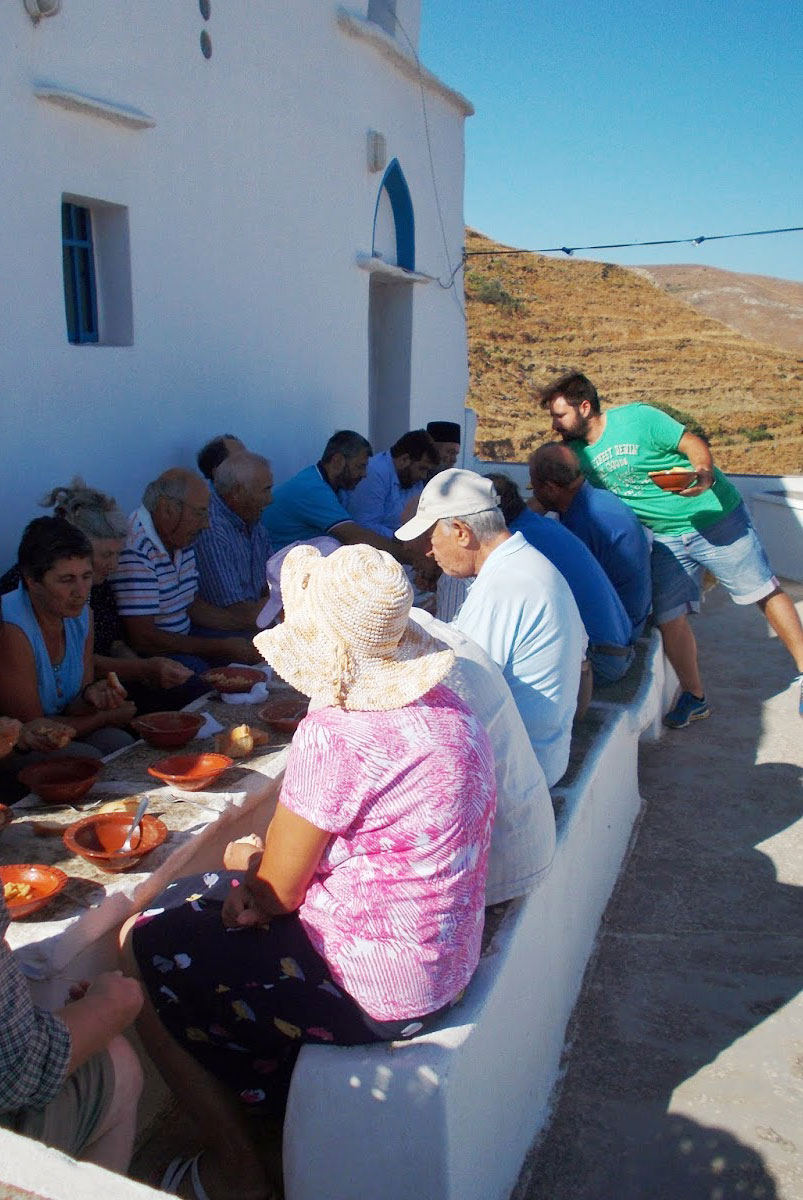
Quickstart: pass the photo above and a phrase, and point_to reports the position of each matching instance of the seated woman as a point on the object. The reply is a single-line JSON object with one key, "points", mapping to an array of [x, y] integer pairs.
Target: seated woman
{"points": [[99, 518], [46, 642], [361, 920]]}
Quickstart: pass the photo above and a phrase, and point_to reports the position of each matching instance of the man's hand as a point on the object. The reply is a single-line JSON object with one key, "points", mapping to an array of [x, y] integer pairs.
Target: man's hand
{"points": [[120, 996], [237, 855], [705, 479], [241, 650], [165, 673]]}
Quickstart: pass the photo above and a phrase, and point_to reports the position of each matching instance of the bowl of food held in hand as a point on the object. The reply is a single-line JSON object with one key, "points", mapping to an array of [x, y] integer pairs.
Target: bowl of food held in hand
{"points": [[230, 681], [98, 838], [284, 713], [676, 479], [241, 741], [168, 730], [61, 780], [190, 772], [27, 887]]}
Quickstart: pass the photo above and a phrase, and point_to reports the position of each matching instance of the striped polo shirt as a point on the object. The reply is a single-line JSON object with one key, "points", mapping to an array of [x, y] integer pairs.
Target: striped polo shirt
{"points": [[149, 582], [231, 556]]}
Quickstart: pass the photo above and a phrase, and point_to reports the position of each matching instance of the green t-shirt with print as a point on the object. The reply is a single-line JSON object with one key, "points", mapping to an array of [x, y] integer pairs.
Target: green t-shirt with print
{"points": [[638, 439]]}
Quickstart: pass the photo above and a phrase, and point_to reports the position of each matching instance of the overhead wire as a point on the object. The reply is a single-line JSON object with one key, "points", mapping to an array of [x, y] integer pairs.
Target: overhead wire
{"points": [[694, 241]]}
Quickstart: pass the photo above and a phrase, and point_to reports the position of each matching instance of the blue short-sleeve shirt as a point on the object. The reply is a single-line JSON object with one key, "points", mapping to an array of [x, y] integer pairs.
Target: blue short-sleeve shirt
{"points": [[304, 507]]}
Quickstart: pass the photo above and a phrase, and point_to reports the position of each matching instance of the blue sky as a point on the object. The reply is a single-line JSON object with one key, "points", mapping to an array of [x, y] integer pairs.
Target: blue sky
{"points": [[630, 121]]}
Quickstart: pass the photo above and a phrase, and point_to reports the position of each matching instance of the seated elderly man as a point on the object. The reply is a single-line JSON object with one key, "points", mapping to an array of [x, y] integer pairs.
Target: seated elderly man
{"points": [[311, 504], [519, 608], [232, 552], [392, 479], [156, 581], [210, 456], [609, 629], [608, 527], [68, 1078]]}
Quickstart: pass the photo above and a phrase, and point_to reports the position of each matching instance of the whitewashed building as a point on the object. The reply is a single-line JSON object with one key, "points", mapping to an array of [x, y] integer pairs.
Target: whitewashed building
{"points": [[221, 217]]}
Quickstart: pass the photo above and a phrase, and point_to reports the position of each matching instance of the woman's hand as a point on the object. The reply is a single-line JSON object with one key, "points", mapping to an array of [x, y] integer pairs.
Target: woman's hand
{"points": [[242, 908], [9, 735], [165, 673], [45, 735], [104, 694], [122, 715], [237, 855]]}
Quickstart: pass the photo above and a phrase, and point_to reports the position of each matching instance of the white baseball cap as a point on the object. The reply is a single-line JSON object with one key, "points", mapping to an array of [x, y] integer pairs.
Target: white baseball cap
{"points": [[452, 493]]}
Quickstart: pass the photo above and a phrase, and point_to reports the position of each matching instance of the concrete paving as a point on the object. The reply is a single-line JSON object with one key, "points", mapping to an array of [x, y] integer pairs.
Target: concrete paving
{"points": [[684, 1073]]}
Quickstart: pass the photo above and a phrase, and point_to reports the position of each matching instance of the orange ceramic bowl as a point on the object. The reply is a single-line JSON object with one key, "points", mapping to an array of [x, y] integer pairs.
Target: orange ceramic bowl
{"points": [[673, 481], [284, 713], [230, 680], [168, 730], [44, 882], [97, 837], [192, 772], [61, 780]]}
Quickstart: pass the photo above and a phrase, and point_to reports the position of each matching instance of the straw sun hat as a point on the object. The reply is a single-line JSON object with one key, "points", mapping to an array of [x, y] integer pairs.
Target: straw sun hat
{"points": [[347, 639]]}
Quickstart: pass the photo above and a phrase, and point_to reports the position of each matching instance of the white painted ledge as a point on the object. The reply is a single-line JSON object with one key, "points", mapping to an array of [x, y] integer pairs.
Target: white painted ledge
{"points": [[81, 102], [406, 62], [389, 271]]}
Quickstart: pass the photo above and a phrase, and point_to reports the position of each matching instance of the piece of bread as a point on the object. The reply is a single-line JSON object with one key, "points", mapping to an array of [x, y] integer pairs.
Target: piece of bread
{"points": [[240, 741], [115, 685], [127, 805]]}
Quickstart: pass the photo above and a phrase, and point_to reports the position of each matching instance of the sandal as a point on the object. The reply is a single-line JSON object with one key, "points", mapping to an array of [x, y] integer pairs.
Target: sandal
{"points": [[174, 1177]]}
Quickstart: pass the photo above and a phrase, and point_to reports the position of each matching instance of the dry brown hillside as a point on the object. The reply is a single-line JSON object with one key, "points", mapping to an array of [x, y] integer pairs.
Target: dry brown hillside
{"points": [[531, 317]]}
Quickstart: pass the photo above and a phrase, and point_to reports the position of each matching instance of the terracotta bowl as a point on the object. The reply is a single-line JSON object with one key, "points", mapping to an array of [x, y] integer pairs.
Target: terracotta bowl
{"points": [[191, 772], [168, 730], [229, 680], [6, 816], [61, 780], [97, 837], [673, 481], [285, 713], [44, 882]]}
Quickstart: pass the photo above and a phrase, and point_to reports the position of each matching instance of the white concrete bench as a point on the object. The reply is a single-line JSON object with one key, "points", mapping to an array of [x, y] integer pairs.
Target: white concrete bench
{"points": [[452, 1113]]}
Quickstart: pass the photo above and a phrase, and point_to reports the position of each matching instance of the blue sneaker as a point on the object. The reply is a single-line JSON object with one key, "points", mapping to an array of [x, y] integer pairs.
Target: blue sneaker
{"points": [[688, 708]]}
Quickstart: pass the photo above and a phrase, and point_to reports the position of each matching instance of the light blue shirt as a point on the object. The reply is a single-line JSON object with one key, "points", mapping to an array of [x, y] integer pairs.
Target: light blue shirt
{"points": [[521, 611], [57, 686], [304, 507], [231, 556], [379, 500]]}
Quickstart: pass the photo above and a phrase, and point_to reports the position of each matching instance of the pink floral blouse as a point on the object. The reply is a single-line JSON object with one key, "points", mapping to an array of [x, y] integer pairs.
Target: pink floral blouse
{"points": [[396, 905]]}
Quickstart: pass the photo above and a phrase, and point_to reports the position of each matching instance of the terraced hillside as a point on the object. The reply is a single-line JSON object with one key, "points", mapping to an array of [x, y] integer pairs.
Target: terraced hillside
{"points": [[531, 317]]}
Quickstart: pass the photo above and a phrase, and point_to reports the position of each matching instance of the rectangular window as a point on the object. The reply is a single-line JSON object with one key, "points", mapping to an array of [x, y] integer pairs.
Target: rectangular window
{"points": [[80, 293], [96, 259]]}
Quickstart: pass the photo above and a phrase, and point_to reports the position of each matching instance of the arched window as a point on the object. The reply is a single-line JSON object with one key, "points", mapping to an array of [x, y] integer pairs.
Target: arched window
{"points": [[394, 223]]}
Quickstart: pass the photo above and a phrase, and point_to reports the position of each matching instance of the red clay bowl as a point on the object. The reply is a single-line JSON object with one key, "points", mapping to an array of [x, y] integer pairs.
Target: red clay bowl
{"points": [[192, 772], [6, 816], [44, 882], [673, 481], [96, 838], [61, 780], [230, 680], [168, 730], [285, 713]]}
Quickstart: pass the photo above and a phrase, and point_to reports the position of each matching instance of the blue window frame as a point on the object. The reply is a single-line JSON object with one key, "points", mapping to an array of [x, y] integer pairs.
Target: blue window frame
{"points": [[80, 293], [395, 185]]}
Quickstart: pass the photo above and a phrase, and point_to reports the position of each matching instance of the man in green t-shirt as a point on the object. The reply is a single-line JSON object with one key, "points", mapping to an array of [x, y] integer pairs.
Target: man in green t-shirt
{"points": [[703, 527]]}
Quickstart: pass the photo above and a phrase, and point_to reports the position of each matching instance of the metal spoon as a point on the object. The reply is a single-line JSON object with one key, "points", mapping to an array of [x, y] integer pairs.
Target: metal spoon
{"points": [[138, 815]]}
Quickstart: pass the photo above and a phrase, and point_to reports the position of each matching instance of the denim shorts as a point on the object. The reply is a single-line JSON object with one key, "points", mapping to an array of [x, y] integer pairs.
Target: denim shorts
{"points": [[729, 549]]}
